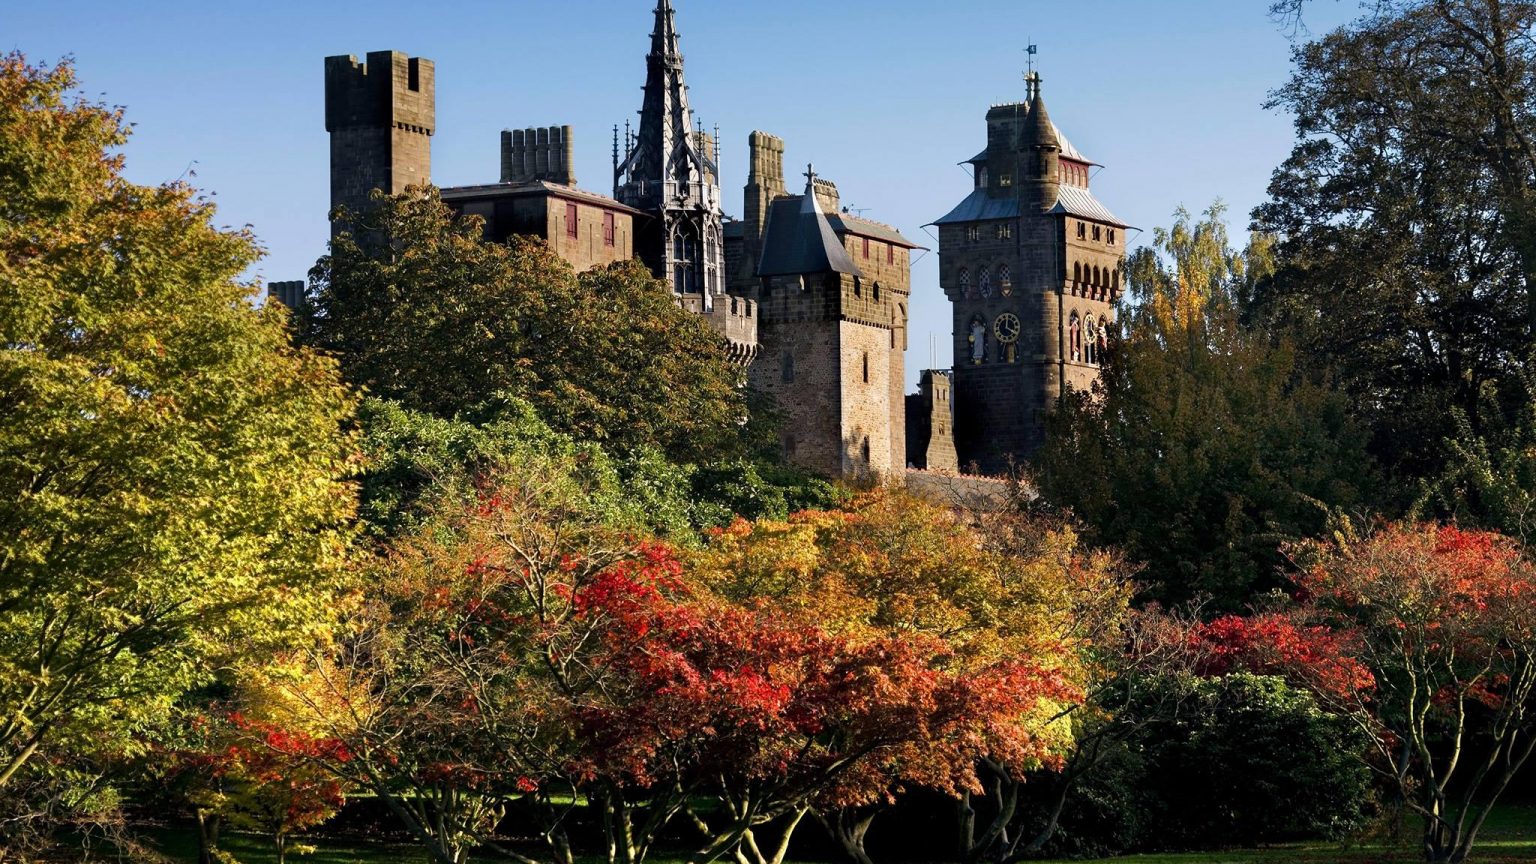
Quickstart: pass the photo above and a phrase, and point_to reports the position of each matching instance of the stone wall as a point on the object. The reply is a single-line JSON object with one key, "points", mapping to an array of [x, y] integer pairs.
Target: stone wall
{"points": [[538, 154], [930, 424], [381, 116], [588, 248]]}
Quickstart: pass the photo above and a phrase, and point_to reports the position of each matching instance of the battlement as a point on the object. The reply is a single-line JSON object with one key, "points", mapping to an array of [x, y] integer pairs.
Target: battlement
{"points": [[538, 154], [389, 90], [733, 317]]}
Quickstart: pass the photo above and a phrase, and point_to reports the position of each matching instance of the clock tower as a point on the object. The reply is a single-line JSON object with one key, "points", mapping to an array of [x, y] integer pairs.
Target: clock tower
{"points": [[1031, 263]]}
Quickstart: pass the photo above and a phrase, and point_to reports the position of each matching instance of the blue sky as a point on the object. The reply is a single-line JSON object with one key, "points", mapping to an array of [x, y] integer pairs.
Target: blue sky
{"points": [[884, 96]]}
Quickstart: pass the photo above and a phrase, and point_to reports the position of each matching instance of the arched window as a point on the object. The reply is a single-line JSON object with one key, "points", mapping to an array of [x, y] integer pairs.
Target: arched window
{"points": [[984, 282], [865, 449], [1114, 282], [965, 281], [866, 367], [1091, 346], [858, 287], [787, 368], [1103, 337], [1074, 338], [1004, 276], [1077, 272], [876, 294]]}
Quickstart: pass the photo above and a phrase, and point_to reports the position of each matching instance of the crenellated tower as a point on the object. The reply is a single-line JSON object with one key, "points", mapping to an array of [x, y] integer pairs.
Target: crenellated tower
{"points": [[381, 115], [669, 170]]}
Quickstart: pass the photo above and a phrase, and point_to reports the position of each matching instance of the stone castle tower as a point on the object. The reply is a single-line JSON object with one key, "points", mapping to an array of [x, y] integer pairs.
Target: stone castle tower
{"points": [[832, 294], [381, 115], [669, 172], [1031, 262]]}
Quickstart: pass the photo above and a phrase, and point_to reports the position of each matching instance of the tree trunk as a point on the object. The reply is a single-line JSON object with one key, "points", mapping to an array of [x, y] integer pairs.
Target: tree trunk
{"points": [[207, 837], [848, 827]]}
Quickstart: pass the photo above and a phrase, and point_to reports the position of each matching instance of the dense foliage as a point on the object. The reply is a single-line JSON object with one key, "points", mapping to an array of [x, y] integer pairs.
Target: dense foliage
{"points": [[1407, 218], [421, 311], [1444, 622], [1206, 444], [171, 468]]}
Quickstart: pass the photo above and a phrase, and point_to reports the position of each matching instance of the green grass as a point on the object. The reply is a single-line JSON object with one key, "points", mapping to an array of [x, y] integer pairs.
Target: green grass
{"points": [[1508, 838]]}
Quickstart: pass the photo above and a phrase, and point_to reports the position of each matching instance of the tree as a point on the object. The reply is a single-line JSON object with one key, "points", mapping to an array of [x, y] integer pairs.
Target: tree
{"points": [[231, 771], [1206, 443], [1406, 217], [172, 487], [996, 589], [1444, 621], [420, 310]]}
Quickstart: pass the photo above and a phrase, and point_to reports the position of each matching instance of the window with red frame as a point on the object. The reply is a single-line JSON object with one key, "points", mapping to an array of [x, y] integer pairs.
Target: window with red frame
{"points": [[607, 229], [571, 222]]}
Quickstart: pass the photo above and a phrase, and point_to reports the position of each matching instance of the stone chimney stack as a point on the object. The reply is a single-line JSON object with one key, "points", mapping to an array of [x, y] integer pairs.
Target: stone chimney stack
{"points": [[538, 154], [765, 182]]}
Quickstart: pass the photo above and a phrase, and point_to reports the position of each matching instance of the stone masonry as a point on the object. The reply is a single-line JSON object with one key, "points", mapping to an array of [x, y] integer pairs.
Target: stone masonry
{"points": [[1031, 263], [381, 115]]}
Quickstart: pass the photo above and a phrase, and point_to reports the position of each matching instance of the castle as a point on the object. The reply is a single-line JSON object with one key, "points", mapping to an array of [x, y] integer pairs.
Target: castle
{"points": [[812, 299]]}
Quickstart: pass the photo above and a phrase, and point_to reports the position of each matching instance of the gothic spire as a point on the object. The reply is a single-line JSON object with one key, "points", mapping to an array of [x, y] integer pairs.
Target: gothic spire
{"points": [[670, 173], [664, 36]]}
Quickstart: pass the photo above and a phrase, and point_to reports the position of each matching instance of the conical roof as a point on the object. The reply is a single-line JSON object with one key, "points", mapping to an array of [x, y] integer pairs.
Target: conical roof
{"points": [[1040, 131]]}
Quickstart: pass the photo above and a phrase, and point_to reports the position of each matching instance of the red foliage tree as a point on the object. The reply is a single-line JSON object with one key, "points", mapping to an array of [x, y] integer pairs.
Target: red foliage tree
{"points": [[1444, 622]]}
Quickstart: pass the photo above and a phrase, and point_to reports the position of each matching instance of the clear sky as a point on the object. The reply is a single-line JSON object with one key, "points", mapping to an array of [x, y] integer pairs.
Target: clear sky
{"points": [[884, 96]]}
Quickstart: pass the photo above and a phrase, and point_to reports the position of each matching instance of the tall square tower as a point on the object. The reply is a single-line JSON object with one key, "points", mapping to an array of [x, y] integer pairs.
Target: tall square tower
{"points": [[1031, 263]]}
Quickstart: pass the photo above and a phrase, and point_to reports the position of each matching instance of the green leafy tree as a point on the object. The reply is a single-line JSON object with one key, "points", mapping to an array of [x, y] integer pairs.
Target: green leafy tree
{"points": [[1407, 217], [1205, 445], [171, 468], [420, 310]]}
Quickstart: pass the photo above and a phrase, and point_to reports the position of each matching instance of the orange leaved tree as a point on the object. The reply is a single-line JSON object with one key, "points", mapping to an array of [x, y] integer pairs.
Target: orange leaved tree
{"points": [[1443, 620]]}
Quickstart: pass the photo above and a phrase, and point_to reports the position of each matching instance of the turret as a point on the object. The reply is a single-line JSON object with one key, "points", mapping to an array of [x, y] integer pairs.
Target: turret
{"points": [[1042, 153], [381, 115]]}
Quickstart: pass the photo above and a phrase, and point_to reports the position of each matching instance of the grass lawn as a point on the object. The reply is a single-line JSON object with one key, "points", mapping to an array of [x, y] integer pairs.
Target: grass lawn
{"points": [[1508, 838]]}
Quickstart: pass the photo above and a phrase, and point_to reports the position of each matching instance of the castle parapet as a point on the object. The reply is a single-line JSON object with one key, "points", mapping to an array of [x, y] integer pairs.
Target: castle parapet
{"points": [[733, 317]]}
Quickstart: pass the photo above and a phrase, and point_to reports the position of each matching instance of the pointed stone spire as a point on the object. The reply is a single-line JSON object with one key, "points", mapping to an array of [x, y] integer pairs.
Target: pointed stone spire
{"points": [[668, 174]]}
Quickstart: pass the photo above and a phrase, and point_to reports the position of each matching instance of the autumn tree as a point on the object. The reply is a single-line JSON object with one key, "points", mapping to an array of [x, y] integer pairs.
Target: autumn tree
{"points": [[996, 592], [1206, 443], [1406, 218], [171, 468], [419, 309], [231, 771], [1443, 620]]}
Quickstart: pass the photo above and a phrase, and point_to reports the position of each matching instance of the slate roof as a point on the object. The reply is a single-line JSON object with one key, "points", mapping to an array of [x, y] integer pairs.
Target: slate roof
{"points": [[979, 206], [847, 223], [1077, 201], [1072, 200], [533, 187], [800, 240], [1067, 150]]}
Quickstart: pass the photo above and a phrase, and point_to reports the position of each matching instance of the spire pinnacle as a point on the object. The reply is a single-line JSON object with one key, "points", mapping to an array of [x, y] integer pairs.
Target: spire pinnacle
{"points": [[664, 41]]}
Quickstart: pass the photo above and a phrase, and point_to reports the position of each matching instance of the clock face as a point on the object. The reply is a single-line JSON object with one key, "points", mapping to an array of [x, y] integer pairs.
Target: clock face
{"points": [[1006, 328]]}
